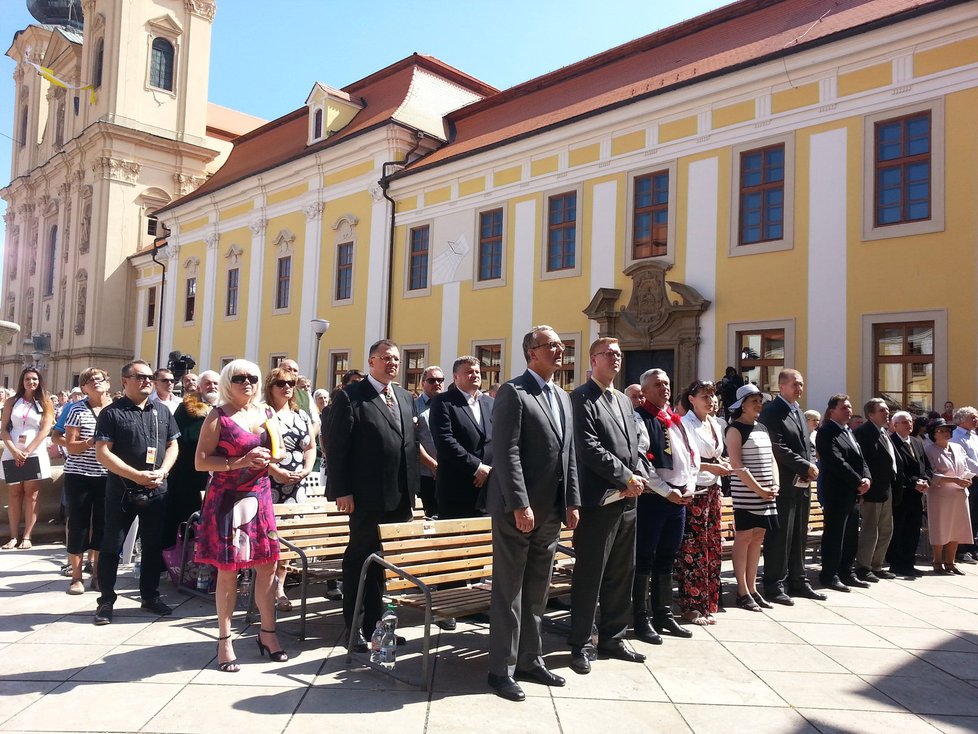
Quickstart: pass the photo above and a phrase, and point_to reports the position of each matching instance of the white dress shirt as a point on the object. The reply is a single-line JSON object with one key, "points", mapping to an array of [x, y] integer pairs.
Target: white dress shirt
{"points": [[707, 439]]}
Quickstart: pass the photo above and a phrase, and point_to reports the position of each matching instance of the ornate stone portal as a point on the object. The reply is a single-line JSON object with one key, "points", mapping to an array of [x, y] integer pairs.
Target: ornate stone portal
{"points": [[655, 318]]}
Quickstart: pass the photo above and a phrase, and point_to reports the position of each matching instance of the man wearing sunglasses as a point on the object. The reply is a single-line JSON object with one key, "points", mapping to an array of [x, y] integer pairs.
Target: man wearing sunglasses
{"points": [[163, 389], [432, 383], [136, 440]]}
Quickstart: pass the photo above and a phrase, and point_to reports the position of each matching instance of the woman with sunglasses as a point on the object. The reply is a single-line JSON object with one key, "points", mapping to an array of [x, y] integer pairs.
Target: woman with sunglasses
{"points": [[24, 427], [698, 562], [299, 454], [237, 520]]}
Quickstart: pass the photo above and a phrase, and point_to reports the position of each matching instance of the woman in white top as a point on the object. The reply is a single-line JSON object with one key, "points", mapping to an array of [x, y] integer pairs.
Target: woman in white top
{"points": [[698, 561], [24, 427]]}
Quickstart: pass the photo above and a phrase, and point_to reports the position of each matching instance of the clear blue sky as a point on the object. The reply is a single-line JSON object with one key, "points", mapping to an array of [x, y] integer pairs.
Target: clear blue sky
{"points": [[266, 54]]}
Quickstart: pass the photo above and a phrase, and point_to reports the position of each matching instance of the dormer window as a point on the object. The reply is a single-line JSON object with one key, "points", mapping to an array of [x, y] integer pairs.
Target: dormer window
{"points": [[330, 110]]}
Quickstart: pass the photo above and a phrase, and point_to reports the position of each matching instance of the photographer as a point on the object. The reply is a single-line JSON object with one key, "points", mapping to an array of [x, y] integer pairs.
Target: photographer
{"points": [[136, 442]]}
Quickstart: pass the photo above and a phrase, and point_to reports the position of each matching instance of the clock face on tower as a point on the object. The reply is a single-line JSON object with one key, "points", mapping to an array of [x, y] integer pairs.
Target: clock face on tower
{"points": [[57, 12]]}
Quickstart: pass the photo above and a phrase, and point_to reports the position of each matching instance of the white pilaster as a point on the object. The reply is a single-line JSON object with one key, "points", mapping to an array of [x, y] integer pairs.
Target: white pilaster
{"points": [[603, 255], [209, 313], [169, 312], [450, 306], [524, 242], [309, 304], [140, 324], [378, 264], [701, 252], [827, 268], [256, 270]]}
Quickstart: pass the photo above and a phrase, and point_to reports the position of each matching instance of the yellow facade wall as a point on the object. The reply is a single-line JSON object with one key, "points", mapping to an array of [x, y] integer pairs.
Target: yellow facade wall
{"points": [[407, 204], [507, 176], [186, 335], [733, 114], [628, 143], [677, 129], [289, 193], [945, 57], [236, 210], [415, 320], [345, 174], [472, 186], [790, 99], [437, 196], [228, 334], [278, 332], [193, 224], [583, 155], [872, 77], [542, 166]]}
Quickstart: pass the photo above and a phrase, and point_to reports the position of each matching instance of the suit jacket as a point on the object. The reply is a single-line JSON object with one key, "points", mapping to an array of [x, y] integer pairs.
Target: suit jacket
{"points": [[874, 444], [368, 454], [534, 464], [912, 464], [841, 464], [790, 442], [606, 442], [461, 443]]}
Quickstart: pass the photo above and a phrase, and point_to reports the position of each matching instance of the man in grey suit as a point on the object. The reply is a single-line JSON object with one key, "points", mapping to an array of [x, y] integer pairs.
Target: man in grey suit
{"points": [[606, 439], [532, 485]]}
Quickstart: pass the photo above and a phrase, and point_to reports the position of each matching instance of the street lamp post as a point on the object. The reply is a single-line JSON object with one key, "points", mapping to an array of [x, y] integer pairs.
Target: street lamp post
{"points": [[319, 327]]}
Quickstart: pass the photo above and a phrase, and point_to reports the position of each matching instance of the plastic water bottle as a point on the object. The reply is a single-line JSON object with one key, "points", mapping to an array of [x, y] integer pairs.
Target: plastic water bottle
{"points": [[377, 644], [244, 589], [204, 577], [388, 647]]}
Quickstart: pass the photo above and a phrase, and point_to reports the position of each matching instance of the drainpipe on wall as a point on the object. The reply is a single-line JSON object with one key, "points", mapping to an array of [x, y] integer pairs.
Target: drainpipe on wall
{"points": [[384, 185], [159, 319]]}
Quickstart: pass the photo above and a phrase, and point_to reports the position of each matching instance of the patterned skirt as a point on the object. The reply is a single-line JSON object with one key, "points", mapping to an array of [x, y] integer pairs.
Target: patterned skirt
{"points": [[237, 526], [698, 561]]}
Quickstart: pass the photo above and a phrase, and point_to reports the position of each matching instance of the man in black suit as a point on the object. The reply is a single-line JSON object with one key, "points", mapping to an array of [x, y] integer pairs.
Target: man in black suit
{"points": [[912, 480], [845, 478], [784, 551], [461, 426], [372, 464], [876, 506], [533, 484], [606, 439]]}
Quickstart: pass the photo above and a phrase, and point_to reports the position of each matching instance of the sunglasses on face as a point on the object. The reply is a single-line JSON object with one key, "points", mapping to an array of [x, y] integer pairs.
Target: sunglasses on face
{"points": [[141, 377], [242, 379], [434, 380], [166, 379], [284, 383]]}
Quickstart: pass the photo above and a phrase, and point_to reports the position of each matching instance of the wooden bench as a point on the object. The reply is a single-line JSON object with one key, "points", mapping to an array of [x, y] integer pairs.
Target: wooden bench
{"points": [[816, 523], [418, 556]]}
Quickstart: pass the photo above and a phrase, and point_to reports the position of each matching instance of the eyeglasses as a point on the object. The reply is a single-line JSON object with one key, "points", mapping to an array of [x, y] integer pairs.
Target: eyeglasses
{"points": [[387, 358], [95, 380], [549, 345], [140, 376], [166, 379], [434, 380], [242, 379], [610, 354], [284, 383]]}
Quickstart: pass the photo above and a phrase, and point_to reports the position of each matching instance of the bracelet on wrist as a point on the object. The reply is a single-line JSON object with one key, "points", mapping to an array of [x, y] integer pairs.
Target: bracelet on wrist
{"points": [[227, 464]]}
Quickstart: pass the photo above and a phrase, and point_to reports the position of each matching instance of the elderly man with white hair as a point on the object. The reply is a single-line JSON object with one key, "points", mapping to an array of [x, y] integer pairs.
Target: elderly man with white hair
{"points": [[966, 422], [912, 480]]}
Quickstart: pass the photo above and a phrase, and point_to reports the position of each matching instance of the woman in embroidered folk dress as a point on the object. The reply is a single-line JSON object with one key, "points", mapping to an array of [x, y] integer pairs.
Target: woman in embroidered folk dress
{"points": [[24, 427], [237, 522], [698, 562], [754, 488], [948, 520], [288, 476]]}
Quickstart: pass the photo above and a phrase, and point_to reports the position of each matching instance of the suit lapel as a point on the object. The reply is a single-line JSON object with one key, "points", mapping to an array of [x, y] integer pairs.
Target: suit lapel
{"points": [[608, 410], [463, 403], [533, 386], [378, 402]]}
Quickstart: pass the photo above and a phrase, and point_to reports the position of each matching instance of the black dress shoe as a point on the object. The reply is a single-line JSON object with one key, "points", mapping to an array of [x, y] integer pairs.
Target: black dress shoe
{"points": [[540, 675], [884, 574], [506, 687], [156, 606], [778, 597], [447, 624], [857, 582], [103, 614], [807, 592], [359, 642], [836, 585], [864, 574], [580, 663], [620, 652]]}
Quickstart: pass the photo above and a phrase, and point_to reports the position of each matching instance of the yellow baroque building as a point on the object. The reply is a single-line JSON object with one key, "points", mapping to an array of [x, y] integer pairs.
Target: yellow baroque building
{"points": [[770, 184]]}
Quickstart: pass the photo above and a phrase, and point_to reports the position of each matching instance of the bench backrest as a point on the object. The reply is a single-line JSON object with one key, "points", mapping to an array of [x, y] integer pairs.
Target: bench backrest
{"points": [[321, 531], [438, 551]]}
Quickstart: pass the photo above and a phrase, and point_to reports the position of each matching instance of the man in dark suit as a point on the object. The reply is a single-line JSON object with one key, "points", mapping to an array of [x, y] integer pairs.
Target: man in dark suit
{"points": [[784, 552], [876, 527], [845, 478], [533, 485], [372, 464], [606, 439], [461, 426], [912, 480]]}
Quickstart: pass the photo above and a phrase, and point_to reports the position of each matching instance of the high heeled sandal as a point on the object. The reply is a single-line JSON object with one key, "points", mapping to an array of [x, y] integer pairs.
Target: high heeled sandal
{"points": [[747, 602], [25, 544], [277, 656], [953, 569], [9, 545], [228, 666]]}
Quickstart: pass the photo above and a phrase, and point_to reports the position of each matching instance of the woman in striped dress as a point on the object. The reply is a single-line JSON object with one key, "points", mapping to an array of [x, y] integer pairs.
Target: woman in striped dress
{"points": [[753, 487]]}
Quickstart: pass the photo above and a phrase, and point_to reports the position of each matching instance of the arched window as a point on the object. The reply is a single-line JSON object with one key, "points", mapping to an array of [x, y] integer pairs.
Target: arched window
{"points": [[161, 65], [97, 63], [52, 254], [317, 125]]}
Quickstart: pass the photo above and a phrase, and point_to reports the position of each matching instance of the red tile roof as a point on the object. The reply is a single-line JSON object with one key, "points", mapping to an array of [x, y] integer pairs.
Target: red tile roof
{"points": [[284, 139], [737, 35]]}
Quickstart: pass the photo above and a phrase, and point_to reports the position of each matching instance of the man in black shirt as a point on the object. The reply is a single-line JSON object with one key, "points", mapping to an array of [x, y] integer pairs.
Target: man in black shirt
{"points": [[136, 441]]}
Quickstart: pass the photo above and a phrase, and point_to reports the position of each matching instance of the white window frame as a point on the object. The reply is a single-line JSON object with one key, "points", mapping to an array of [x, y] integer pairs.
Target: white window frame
{"points": [[419, 292], [670, 256], [501, 281], [578, 233], [787, 242]]}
